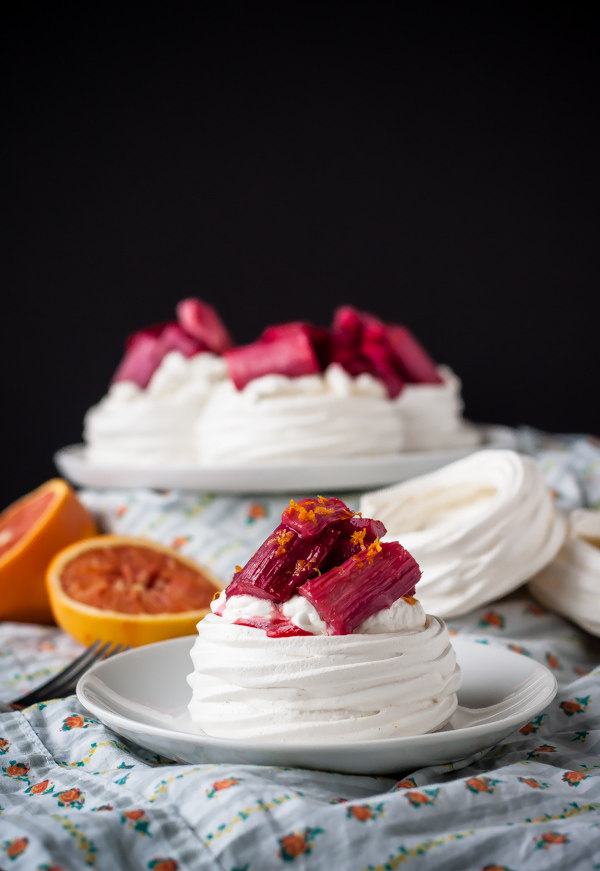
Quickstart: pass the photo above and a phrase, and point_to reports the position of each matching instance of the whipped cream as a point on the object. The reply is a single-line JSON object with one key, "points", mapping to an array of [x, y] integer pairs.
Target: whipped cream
{"points": [[478, 528], [431, 415], [401, 614], [320, 688], [153, 425], [571, 582], [280, 419]]}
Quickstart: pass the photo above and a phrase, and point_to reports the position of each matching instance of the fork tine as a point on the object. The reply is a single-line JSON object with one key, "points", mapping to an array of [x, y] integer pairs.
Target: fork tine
{"points": [[69, 688], [49, 689], [63, 687]]}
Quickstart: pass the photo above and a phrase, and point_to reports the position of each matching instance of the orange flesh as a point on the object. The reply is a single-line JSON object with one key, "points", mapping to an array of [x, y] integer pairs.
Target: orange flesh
{"points": [[135, 580], [20, 520]]}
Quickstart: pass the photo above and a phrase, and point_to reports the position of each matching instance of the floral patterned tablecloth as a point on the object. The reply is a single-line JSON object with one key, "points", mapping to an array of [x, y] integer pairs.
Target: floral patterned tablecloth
{"points": [[74, 796]]}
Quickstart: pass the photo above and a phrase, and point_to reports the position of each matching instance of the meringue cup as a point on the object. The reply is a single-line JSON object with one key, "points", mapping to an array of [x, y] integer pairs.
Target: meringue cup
{"points": [[570, 584], [431, 415], [276, 419], [155, 425], [478, 528], [374, 684]]}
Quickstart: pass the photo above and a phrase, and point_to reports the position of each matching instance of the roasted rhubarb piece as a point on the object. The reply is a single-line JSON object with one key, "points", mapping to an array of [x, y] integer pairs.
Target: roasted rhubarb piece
{"points": [[283, 562], [355, 536], [146, 349], [319, 338], [199, 329], [414, 361], [202, 322], [363, 343], [309, 517], [290, 353], [366, 583]]}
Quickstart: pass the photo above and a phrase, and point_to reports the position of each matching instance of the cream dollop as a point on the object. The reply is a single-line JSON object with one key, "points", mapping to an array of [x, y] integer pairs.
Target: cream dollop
{"points": [[319, 688], [401, 615], [570, 584], [478, 528], [279, 419], [154, 425], [431, 415]]}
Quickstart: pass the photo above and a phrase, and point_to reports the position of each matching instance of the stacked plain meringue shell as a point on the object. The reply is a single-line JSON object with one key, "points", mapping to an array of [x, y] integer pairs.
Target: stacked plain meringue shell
{"points": [[570, 584], [479, 528]]}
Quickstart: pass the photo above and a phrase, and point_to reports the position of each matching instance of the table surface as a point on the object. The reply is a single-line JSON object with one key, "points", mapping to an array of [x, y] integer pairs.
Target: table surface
{"points": [[73, 795]]}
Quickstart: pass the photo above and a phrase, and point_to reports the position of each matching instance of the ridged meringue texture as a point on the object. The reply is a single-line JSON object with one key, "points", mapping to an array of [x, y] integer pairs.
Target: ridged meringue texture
{"points": [[431, 415], [277, 419], [321, 688], [154, 425], [478, 528], [570, 584]]}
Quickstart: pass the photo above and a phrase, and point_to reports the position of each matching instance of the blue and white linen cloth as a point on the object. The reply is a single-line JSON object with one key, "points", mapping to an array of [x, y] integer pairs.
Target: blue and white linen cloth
{"points": [[75, 796]]}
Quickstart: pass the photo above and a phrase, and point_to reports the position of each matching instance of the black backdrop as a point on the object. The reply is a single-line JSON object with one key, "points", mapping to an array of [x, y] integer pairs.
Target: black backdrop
{"points": [[435, 163]]}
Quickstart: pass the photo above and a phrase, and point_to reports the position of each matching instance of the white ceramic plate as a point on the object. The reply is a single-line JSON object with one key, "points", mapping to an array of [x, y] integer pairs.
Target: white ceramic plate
{"points": [[334, 475], [143, 695]]}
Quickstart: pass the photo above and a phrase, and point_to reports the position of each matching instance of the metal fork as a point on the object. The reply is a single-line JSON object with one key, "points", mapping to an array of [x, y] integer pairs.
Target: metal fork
{"points": [[64, 683]]}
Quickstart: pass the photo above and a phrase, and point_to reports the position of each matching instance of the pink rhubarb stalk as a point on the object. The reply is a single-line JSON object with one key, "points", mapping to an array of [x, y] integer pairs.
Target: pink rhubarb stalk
{"points": [[364, 584]]}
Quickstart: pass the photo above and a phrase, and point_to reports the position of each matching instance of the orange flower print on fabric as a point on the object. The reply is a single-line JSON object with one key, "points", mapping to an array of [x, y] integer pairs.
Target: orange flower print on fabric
{"points": [[45, 646], [575, 706], [75, 721], [136, 820], [256, 511], [550, 839], [4, 746], [534, 726], [73, 798], [543, 748], [482, 785], [492, 619], [15, 848], [574, 778], [17, 770], [535, 609], [298, 843], [220, 785], [516, 648], [496, 868], [180, 541], [406, 783], [553, 662], [418, 798], [159, 863], [45, 787], [364, 813], [121, 510], [533, 783]]}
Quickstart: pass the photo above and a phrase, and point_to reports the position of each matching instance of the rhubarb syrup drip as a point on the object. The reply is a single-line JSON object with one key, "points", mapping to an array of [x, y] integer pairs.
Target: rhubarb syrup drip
{"points": [[279, 627]]}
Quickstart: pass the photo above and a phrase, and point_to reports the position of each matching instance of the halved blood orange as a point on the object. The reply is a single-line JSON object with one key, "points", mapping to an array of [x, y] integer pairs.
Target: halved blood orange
{"points": [[127, 590], [32, 531]]}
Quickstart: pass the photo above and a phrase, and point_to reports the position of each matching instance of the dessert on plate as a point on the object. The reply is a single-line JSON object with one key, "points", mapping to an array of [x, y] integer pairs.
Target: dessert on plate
{"points": [[362, 388], [319, 637], [479, 527], [159, 390]]}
